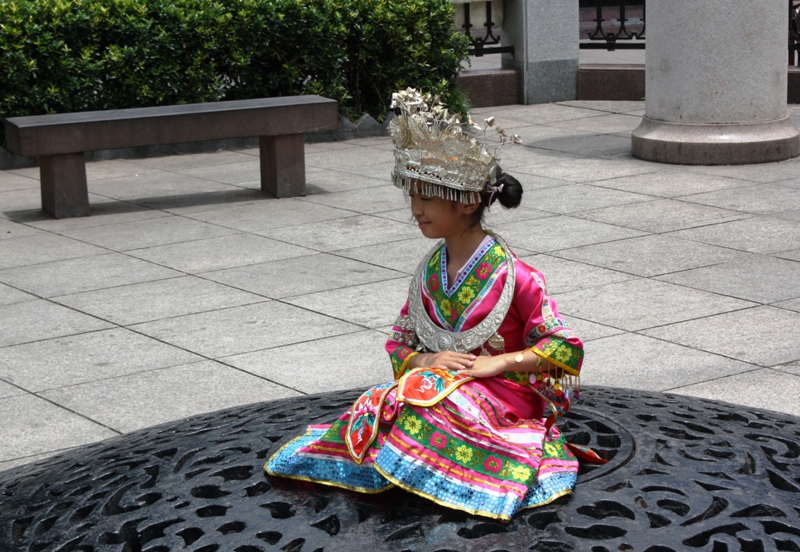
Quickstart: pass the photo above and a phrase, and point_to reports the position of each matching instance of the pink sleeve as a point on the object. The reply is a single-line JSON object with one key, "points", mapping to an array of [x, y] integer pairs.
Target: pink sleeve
{"points": [[546, 333]]}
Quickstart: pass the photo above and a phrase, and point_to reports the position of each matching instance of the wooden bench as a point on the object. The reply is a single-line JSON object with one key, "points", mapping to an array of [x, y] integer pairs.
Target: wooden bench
{"points": [[60, 140]]}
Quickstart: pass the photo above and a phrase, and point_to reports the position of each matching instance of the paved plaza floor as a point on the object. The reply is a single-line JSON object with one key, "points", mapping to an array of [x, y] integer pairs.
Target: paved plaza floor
{"points": [[188, 290]]}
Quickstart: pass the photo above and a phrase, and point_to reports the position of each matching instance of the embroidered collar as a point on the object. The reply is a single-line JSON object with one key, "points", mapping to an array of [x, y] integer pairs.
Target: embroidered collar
{"points": [[438, 339], [462, 274]]}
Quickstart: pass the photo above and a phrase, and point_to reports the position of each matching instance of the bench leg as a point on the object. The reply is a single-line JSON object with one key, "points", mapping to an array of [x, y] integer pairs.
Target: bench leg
{"points": [[63, 184], [283, 168]]}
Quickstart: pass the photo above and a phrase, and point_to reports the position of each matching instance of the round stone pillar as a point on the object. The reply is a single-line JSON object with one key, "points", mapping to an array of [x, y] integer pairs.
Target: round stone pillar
{"points": [[715, 91]]}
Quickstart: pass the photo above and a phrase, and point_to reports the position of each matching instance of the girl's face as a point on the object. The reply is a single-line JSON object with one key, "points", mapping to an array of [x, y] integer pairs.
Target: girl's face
{"points": [[437, 217]]}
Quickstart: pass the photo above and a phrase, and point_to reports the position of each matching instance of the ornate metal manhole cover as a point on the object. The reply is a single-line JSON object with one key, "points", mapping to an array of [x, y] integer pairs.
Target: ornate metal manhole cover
{"points": [[684, 474]]}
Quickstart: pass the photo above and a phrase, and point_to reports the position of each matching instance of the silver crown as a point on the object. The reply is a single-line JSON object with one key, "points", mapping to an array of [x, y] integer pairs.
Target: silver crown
{"points": [[433, 156]]}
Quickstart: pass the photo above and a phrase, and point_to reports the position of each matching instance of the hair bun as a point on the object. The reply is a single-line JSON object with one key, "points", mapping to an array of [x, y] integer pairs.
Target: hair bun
{"points": [[511, 194]]}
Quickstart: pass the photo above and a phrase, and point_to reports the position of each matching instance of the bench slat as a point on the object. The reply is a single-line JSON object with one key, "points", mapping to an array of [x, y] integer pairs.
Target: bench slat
{"points": [[56, 134]]}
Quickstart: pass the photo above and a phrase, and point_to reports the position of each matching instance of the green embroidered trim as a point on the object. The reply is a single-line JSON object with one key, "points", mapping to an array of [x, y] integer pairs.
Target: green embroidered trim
{"points": [[450, 309], [398, 358], [523, 378], [462, 453], [561, 353]]}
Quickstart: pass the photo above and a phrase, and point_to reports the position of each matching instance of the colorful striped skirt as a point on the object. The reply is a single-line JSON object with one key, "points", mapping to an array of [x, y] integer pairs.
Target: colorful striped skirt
{"points": [[475, 445]]}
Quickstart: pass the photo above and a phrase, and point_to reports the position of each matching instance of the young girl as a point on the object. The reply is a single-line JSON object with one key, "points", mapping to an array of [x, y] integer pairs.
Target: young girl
{"points": [[482, 361]]}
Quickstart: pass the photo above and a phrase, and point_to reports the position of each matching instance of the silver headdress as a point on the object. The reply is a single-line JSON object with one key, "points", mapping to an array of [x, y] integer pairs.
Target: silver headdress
{"points": [[433, 156]]}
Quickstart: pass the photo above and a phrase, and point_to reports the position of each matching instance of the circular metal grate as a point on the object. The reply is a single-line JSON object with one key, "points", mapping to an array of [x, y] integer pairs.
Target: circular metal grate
{"points": [[683, 474]]}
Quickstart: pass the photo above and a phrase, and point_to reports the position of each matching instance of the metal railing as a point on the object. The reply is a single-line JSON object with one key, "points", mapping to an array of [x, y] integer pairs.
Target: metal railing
{"points": [[623, 32], [483, 38]]}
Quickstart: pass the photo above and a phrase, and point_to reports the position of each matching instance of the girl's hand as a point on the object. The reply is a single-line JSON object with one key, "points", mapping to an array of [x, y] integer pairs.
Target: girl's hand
{"points": [[487, 366], [449, 360]]}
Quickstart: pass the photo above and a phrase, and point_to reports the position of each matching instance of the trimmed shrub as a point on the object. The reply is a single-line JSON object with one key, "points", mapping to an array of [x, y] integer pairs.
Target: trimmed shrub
{"points": [[61, 56]]}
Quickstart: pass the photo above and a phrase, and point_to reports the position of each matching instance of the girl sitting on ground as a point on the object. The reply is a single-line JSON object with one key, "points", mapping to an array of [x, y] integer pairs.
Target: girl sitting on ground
{"points": [[483, 364]]}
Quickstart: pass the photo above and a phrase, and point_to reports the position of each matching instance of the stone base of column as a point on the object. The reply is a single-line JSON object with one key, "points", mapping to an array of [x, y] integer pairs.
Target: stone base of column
{"points": [[715, 144]]}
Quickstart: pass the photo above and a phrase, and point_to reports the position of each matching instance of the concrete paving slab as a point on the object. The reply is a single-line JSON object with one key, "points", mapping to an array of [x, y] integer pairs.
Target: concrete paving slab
{"points": [[192, 160], [788, 215], [661, 215], [370, 305], [161, 299], [791, 368], [591, 145], [609, 106], [635, 305], [196, 257], [758, 278], [316, 366], [756, 235], [562, 232], [115, 168], [10, 229], [264, 215], [190, 203], [300, 276], [563, 275], [327, 181], [343, 233], [668, 182], [153, 188], [541, 113], [793, 304], [586, 330], [592, 170], [9, 390], [761, 172], [10, 181], [247, 169], [10, 295], [95, 356], [603, 124], [639, 362], [764, 335], [349, 159], [43, 248], [368, 201], [148, 233], [104, 211], [16, 202], [8, 464], [574, 198], [651, 255], [141, 400], [761, 198], [792, 254], [83, 274], [244, 329], [32, 425], [401, 256], [744, 388], [40, 319]]}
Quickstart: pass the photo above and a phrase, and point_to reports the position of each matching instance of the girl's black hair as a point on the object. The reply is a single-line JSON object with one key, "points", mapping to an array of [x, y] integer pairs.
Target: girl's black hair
{"points": [[509, 197]]}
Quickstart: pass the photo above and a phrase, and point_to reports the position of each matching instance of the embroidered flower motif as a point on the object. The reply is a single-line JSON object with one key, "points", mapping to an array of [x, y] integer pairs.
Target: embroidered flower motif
{"points": [[412, 425], [433, 282], [438, 440], [564, 354], [493, 464], [520, 472], [483, 270], [446, 306], [466, 295], [551, 449], [403, 352], [464, 454]]}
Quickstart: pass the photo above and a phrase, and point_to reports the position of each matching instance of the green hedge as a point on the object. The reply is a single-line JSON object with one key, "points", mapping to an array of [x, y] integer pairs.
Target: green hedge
{"points": [[78, 55]]}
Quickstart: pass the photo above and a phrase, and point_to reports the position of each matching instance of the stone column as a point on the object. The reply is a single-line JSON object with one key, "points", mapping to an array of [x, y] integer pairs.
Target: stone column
{"points": [[715, 83], [544, 34]]}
